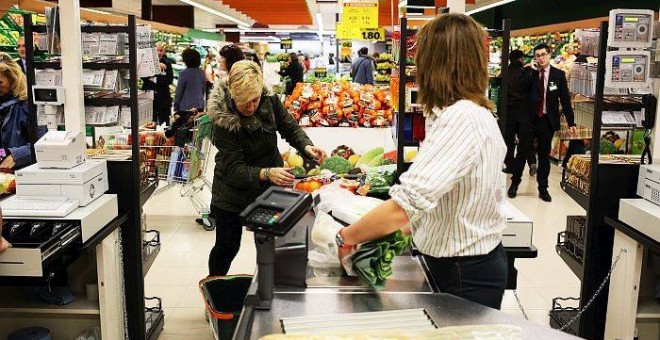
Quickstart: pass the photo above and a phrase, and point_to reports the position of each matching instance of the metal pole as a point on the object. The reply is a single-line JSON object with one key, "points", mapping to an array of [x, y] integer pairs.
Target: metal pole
{"points": [[74, 105]]}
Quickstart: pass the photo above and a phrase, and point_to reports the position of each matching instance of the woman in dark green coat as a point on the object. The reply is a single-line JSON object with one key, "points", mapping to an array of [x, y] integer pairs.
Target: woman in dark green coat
{"points": [[246, 120]]}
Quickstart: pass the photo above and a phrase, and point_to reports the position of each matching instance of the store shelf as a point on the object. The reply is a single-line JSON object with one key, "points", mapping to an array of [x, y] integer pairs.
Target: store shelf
{"points": [[154, 319], [24, 300], [578, 196], [648, 308], [150, 250], [411, 143], [560, 317], [87, 65], [88, 29], [107, 101], [147, 191], [573, 262]]}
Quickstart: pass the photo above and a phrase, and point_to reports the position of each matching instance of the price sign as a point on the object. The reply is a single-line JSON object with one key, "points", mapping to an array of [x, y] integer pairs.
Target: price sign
{"points": [[347, 44], [372, 34], [360, 14], [286, 44], [320, 72]]}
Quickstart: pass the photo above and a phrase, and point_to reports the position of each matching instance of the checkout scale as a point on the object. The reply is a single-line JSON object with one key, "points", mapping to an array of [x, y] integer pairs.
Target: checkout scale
{"points": [[281, 219], [60, 202]]}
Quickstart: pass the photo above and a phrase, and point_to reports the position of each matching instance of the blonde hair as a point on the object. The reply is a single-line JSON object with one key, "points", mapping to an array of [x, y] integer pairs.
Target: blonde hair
{"points": [[246, 82], [10, 70], [452, 56]]}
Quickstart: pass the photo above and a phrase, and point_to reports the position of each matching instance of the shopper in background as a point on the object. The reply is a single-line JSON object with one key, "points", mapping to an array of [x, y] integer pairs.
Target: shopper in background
{"points": [[190, 90], [362, 70], [518, 119], [294, 71], [230, 54], [374, 59], [451, 197], [247, 119], [20, 48], [307, 63], [210, 68], [548, 87], [15, 150], [301, 60], [160, 84]]}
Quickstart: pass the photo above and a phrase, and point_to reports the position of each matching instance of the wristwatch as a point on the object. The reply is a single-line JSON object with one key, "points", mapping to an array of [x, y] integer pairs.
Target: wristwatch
{"points": [[339, 240]]}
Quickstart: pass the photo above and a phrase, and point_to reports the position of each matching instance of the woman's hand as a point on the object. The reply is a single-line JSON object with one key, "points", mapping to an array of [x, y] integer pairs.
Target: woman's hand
{"points": [[316, 153], [281, 177], [7, 165]]}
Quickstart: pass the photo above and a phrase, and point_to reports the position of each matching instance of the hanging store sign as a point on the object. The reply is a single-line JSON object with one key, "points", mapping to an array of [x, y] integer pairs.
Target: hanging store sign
{"points": [[360, 14], [286, 44]]}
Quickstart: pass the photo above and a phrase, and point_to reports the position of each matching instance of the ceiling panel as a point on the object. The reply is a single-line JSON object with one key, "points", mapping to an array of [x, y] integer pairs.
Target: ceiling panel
{"points": [[274, 12]]}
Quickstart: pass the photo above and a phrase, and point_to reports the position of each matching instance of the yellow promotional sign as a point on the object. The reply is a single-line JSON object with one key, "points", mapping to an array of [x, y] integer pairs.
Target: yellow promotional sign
{"points": [[352, 33], [360, 14]]}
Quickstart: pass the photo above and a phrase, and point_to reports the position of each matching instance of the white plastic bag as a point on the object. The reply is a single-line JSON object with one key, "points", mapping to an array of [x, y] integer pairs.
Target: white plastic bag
{"points": [[324, 232], [344, 204]]}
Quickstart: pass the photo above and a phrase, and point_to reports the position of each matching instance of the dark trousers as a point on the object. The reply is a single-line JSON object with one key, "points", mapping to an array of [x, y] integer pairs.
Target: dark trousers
{"points": [[162, 114], [543, 132], [481, 279], [228, 231], [574, 147], [515, 124]]}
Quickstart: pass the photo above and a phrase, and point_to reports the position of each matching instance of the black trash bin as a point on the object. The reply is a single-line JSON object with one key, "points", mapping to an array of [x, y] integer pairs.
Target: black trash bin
{"points": [[224, 297]]}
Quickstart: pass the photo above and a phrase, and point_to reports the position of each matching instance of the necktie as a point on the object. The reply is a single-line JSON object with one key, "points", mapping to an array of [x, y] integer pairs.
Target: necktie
{"points": [[539, 107]]}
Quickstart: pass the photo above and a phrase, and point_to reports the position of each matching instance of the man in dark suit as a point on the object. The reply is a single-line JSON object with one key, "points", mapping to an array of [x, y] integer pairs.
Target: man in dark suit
{"points": [[160, 84], [547, 88], [20, 48]]}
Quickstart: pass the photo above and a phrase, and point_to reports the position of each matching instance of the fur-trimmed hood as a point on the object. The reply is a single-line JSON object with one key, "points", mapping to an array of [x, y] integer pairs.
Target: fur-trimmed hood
{"points": [[219, 107]]}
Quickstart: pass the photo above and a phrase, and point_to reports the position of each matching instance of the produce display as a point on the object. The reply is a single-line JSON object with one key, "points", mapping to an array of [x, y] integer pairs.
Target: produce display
{"points": [[340, 104], [384, 66], [372, 262], [612, 143], [7, 183]]}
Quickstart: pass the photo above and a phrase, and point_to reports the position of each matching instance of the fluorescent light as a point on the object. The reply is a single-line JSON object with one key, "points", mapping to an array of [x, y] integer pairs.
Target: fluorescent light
{"points": [[215, 12], [483, 8], [274, 30], [243, 27], [319, 23], [403, 3]]}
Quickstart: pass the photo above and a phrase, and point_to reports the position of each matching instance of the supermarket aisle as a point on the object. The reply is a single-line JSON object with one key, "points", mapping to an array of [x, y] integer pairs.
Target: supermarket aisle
{"points": [[182, 261]]}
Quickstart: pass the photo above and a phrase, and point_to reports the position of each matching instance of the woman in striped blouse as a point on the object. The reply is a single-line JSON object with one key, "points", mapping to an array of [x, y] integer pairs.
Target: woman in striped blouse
{"points": [[451, 198]]}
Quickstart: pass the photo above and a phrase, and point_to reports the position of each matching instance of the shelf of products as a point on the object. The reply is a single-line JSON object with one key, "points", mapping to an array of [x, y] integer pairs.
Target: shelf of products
{"points": [[147, 191], [561, 315], [342, 104]]}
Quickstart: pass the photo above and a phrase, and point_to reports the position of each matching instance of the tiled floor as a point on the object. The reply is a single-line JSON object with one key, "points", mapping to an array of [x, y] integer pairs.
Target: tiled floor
{"points": [[185, 247]]}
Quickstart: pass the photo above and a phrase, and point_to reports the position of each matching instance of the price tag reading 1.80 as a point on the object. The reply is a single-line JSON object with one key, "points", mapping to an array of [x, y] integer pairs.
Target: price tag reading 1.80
{"points": [[373, 34]]}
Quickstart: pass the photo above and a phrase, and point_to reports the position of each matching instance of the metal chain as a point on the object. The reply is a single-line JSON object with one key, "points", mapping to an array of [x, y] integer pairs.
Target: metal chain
{"points": [[598, 291], [515, 293]]}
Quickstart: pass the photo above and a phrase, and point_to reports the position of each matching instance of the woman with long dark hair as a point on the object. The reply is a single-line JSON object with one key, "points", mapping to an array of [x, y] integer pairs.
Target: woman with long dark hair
{"points": [[294, 71]]}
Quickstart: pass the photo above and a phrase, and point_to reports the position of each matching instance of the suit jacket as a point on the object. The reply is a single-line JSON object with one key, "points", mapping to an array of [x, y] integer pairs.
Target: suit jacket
{"points": [[561, 94], [161, 87], [19, 61]]}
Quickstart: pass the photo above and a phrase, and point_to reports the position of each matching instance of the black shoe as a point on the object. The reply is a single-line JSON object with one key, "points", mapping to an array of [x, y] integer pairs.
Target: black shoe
{"points": [[507, 171], [545, 196], [513, 191], [533, 169]]}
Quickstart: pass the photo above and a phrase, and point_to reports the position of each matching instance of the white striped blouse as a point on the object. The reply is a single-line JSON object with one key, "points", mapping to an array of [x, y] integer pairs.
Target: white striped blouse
{"points": [[453, 192]]}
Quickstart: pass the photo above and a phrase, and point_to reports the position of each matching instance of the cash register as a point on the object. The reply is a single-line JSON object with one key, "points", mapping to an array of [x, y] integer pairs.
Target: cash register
{"points": [[274, 214]]}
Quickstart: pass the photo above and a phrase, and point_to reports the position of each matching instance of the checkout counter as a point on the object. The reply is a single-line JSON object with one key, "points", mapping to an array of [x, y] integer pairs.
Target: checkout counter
{"points": [[286, 287]]}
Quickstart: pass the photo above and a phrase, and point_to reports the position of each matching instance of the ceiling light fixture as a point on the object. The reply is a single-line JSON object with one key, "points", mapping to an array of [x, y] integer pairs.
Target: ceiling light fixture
{"points": [[215, 12], [319, 23], [483, 8]]}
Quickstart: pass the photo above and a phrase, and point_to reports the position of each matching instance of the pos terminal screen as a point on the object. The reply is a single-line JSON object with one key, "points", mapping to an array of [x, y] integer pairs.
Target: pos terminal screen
{"points": [[282, 198]]}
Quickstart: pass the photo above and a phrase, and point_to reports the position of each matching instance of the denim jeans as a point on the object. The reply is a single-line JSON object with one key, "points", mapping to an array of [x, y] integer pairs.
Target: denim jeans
{"points": [[481, 279]]}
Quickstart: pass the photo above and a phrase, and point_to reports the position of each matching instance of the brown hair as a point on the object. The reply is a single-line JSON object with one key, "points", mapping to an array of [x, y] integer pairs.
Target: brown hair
{"points": [[10, 70], [452, 62]]}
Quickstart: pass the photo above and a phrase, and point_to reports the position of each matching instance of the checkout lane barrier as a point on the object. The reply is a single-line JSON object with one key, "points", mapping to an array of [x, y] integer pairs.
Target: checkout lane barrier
{"points": [[224, 297]]}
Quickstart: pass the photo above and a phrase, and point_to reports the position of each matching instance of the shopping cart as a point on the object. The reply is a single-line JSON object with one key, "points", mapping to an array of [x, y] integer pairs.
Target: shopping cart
{"points": [[185, 165]]}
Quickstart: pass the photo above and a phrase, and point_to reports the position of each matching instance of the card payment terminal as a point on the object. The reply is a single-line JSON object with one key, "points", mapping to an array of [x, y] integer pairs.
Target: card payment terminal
{"points": [[276, 211]]}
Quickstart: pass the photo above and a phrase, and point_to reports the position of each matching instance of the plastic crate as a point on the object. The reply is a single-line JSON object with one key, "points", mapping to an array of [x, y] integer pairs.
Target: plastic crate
{"points": [[224, 297], [561, 314]]}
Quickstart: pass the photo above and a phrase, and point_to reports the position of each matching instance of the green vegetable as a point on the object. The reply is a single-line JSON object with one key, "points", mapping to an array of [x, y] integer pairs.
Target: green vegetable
{"points": [[337, 164], [373, 261], [299, 171], [368, 156], [377, 161]]}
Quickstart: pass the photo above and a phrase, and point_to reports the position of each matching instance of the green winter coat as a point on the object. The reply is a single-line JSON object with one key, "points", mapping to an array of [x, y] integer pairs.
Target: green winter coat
{"points": [[246, 145]]}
